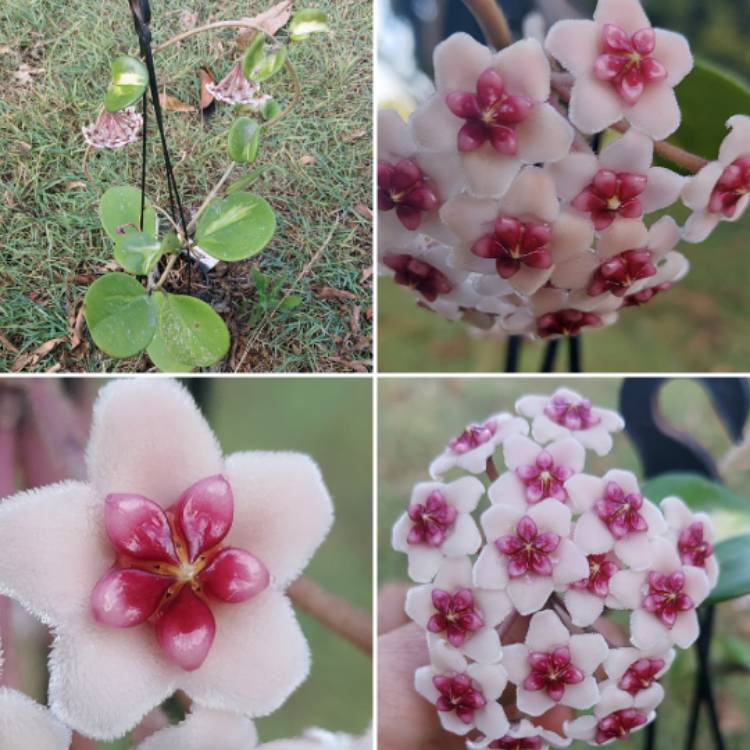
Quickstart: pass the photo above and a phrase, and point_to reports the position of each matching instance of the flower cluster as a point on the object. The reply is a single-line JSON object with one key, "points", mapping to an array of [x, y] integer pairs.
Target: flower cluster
{"points": [[496, 209], [560, 546]]}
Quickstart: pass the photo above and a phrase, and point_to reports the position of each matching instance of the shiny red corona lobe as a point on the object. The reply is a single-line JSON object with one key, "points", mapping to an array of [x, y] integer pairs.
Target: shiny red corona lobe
{"points": [[457, 693], [601, 570], [491, 114], [619, 725], [692, 546], [514, 244], [617, 274], [646, 295], [404, 187], [574, 415], [620, 511], [626, 62], [544, 479], [733, 185], [517, 743], [418, 274], [433, 520], [170, 568], [611, 194], [455, 615], [528, 550], [666, 598], [472, 437], [568, 322], [551, 672], [640, 675]]}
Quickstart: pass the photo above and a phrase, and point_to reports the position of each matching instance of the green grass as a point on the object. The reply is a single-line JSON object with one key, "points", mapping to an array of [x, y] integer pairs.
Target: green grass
{"points": [[417, 416], [318, 167]]}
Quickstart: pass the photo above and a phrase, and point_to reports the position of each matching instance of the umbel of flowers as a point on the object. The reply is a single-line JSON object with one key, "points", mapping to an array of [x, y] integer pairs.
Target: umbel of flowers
{"points": [[562, 547], [496, 209]]}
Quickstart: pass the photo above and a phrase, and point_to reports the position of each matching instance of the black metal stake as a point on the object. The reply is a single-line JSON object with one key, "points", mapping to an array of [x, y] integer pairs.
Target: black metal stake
{"points": [[550, 354], [650, 743], [512, 353], [574, 352]]}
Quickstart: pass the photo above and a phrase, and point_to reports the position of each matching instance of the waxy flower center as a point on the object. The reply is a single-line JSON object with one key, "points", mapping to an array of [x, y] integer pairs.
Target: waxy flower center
{"points": [[620, 512], [551, 672], [472, 437], [619, 725], [405, 188], [601, 571], [568, 322], [544, 479], [455, 615], [611, 194], [665, 598], [458, 694], [644, 295], [528, 550], [571, 414], [491, 114], [618, 273], [626, 62], [433, 520], [517, 743], [419, 275], [693, 548], [640, 675], [733, 185], [514, 244]]}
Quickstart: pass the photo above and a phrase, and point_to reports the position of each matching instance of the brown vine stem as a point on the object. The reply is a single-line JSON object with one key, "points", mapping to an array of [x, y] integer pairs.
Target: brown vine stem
{"points": [[492, 21], [491, 470], [335, 613]]}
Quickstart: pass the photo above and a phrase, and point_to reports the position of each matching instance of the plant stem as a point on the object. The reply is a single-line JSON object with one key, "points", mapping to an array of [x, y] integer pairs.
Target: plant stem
{"points": [[492, 21], [206, 27], [170, 264], [491, 470], [334, 612], [167, 216], [212, 194]]}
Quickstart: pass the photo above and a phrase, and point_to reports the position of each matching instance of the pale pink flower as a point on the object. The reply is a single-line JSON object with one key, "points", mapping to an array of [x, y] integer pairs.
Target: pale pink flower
{"points": [[522, 735], [568, 414], [493, 110], [615, 716], [636, 672], [663, 599], [615, 517], [521, 237], [451, 609], [719, 192], [476, 444], [234, 88], [465, 695], [149, 441], [622, 68], [114, 129], [412, 183], [618, 183], [528, 553], [585, 599], [553, 667], [536, 473], [693, 533], [438, 524]]}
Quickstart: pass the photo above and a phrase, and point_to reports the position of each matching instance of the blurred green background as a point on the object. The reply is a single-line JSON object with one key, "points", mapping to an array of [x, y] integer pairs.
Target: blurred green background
{"points": [[416, 417], [698, 326]]}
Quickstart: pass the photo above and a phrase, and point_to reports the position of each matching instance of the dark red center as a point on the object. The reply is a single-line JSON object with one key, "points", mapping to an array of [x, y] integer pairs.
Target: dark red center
{"points": [[611, 194], [405, 188], [693, 548], [733, 184], [432, 520], [640, 298], [455, 615], [571, 414], [568, 322], [528, 550], [544, 479], [619, 725], [640, 675], [417, 274], [472, 437], [517, 743], [620, 511], [457, 693], [618, 273], [551, 672], [665, 598], [514, 244], [600, 571]]}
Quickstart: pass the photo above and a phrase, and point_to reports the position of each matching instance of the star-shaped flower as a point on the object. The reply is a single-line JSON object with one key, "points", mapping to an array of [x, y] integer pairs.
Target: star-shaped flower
{"points": [[114, 129], [636, 672], [234, 88], [523, 735], [148, 440], [585, 599]]}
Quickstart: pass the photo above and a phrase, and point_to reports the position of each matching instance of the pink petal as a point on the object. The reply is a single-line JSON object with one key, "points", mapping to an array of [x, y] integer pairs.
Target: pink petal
{"points": [[138, 527], [575, 44], [234, 575], [123, 598], [185, 630], [471, 136], [673, 52], [204, 514], [490, 87]]}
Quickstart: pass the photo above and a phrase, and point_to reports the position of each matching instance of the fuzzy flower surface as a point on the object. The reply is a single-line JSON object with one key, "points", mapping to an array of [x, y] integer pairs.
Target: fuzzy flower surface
{"points": [[565, 548], [166, 570], [114, 129], [234, 88]]}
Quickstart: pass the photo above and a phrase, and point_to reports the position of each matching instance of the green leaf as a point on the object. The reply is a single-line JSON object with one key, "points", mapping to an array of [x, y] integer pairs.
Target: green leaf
{"points": [[264, 64], [235, 227], [708, 97], [254, 53], [170, 243], [119, 314], [242, 143], [157, 349], [730, 512], [306, 22], [245, 182], [137, 252], [291, 302], [270, 109], [733, 556], [120, 212], [191, 331], [128, 82]]}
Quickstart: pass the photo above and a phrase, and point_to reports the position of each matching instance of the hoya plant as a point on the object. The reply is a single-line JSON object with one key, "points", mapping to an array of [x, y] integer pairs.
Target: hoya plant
{"points": [[521, 197], [132, 310]]}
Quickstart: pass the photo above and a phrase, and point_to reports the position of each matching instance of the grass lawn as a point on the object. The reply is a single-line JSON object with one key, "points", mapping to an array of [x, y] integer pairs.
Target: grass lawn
{"points": [[417, 416], [317, 166]]}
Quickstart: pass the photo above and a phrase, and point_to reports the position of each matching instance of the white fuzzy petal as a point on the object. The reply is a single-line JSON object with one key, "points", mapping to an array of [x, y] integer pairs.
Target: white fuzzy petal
{"points": [[546, 632], [583, 695], [584, 607], [25, 725], [205, 728]]}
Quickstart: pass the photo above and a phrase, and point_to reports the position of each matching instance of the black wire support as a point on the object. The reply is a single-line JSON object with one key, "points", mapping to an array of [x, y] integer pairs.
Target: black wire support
{"points": [[574, 353], [550, 355], [512, 353]]}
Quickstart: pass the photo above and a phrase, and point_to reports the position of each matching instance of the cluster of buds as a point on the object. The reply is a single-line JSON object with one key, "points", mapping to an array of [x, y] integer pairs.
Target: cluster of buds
{"points": [[561, 547], [495, 208]]}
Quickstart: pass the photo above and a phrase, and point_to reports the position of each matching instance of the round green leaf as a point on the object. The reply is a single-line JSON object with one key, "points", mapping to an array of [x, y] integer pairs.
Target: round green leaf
{"points": [[120, 212], [244, 182], [191, 331], [306, 22], [119, 314], [128, 82], [137, 252], [235, 227], [264, 65], [254, 53], [733, 556], [157, 350], [243, 139], [270, 109]]}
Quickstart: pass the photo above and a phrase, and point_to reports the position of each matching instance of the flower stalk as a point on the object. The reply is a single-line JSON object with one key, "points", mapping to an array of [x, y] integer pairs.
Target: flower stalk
{"points": [[492, 21]]}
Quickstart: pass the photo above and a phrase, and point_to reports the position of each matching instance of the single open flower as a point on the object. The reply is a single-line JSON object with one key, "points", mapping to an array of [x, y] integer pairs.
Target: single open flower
{"points": [[492, 110], [471, 449], [585, 599], [618, 183], [554, 667], [148, 440], [615, 716], [528, 553], [663, 599], [622, 68], [636, 672], [453, 610], [721, 190], [522, 237], [113, 129], [615, 517], [234, 88], [438, 524], [522, 735], [465, 695], [567, 413]]}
